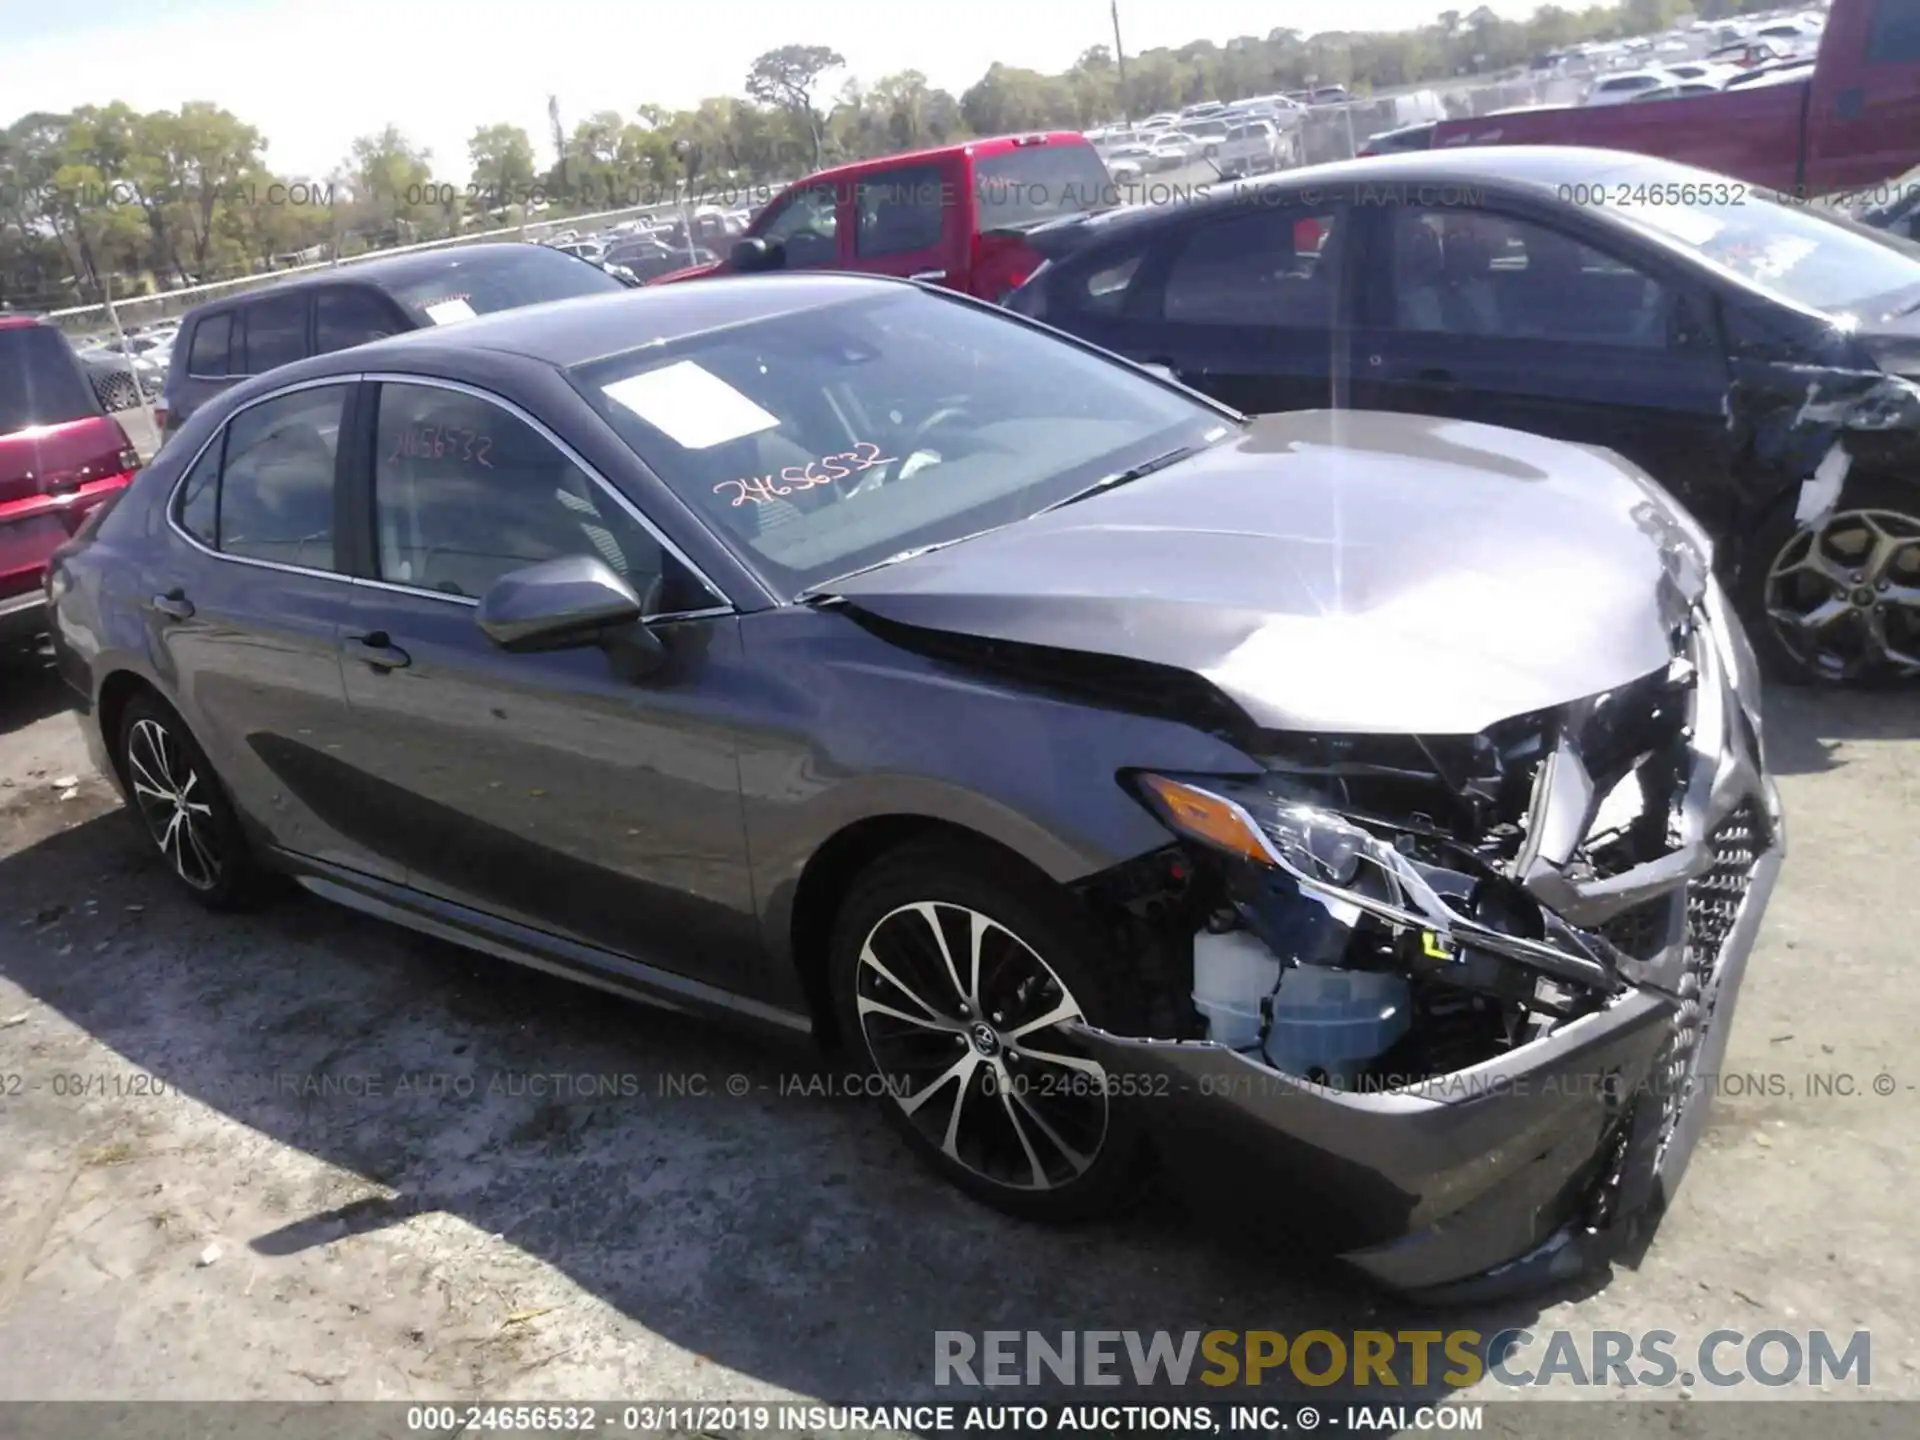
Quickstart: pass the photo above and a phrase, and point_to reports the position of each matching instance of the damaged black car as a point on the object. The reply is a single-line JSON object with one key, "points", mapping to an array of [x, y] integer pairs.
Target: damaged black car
{"points": [[1760, 358], [1369, 804]]}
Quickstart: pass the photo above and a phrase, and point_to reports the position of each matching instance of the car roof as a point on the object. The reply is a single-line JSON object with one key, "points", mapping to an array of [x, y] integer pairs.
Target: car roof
{"points": [[989, 145], [382, 272], [565, 333]]}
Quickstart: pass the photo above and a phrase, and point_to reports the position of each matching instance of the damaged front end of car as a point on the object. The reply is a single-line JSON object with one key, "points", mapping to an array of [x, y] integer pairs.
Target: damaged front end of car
{"points": [[1465, 998]]}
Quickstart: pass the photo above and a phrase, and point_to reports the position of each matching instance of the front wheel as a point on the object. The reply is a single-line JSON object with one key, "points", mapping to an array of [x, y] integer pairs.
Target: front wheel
{"points": [[957, 982], [1839, 602]]}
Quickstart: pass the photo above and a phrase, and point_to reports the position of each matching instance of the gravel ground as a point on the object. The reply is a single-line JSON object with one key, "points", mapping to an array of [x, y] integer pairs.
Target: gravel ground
{"points": [[305, 1154]]}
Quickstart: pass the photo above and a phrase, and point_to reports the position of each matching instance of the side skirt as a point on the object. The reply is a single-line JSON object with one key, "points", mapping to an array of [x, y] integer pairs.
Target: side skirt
{"points": [[536, 949]]}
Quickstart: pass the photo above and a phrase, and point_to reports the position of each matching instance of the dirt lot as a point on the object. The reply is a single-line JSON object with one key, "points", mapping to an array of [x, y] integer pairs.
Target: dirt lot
{"points": [[183, 1213]]}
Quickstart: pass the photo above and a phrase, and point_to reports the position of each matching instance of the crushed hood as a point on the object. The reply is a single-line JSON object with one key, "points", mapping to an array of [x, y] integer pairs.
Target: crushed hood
{"points": [[1342, 571]]}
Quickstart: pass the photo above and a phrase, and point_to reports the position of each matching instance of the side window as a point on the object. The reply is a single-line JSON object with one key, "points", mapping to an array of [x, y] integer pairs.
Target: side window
{"points": [[1457, 272], [806, 225], [198, 511], [900, 211], [464, 492], [276, 332], [1269, 266], [211, 337], [350, 316], [1895, 37], [276, 480], [1101, 284]]}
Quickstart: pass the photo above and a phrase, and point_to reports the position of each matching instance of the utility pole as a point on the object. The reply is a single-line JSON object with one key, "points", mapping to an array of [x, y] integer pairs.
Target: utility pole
{"points": [[1120, 61]]}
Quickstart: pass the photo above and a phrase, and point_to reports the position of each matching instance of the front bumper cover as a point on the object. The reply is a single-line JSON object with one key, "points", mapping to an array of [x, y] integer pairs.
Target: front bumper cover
{"points": [[1552, 1159]]}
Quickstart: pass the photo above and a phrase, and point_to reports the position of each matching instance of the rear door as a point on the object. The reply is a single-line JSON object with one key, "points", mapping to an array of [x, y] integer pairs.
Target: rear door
{"points": [[245, 605], [1512, 320], [1242, 302], [543, 788]]}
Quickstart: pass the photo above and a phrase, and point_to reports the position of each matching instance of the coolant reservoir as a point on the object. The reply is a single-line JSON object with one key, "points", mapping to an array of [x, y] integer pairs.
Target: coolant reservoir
{"points": [[1232, 974], [1328, 1023]]}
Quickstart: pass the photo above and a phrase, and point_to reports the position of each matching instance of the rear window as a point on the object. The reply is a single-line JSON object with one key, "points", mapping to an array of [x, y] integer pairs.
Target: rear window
{"points": [[456, 287], [1038, 182], [40, 382]]}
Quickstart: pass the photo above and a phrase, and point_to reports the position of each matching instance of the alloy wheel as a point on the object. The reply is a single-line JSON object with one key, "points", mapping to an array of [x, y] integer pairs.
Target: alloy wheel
{"points": [[175, 802], [963, 1021], [1844, 598]]}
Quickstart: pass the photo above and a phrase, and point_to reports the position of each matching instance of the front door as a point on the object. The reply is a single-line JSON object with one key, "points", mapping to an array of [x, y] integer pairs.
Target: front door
{"points": [[542, 788], [1510, 321]]}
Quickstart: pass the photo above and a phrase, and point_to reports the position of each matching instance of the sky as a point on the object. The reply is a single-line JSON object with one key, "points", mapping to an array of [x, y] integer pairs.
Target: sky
{"points": [[311, 76]]}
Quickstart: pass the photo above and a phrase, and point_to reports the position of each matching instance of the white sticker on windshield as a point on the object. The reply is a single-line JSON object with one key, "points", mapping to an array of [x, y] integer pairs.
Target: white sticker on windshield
{"points": [[448, 311], [692, 406]]}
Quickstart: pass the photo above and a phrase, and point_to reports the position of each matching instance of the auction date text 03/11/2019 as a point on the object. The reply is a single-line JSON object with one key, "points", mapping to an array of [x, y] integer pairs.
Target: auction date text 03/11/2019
{"points": [[674, 1419]]}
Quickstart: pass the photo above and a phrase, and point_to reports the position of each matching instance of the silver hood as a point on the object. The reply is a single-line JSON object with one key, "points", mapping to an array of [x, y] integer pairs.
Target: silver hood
{"points": [[1342, 571]]}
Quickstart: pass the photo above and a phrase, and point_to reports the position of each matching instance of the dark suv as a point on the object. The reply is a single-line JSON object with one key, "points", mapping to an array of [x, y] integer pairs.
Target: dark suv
{"points": [[225, 341], [61, 457]]}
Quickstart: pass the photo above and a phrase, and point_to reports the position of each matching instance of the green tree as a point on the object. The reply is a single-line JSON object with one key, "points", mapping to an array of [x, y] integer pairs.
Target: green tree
{"points": [[787, 79]]}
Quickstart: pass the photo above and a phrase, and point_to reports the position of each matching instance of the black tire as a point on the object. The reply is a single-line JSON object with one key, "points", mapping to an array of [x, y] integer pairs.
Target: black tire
{"points": [[1788, 569], [206, 851], [1023, 1170]]}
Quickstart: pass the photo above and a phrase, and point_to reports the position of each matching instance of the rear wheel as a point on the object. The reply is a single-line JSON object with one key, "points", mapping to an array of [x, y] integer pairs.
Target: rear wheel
{"points": [[182, 808], [1839, 602], [956, 979]]}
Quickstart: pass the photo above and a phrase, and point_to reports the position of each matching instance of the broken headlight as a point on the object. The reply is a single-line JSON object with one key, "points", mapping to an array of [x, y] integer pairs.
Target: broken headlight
{"points": [[1342, 863]]}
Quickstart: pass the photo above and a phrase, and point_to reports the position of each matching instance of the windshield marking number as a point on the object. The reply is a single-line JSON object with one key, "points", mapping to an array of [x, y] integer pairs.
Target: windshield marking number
{"points": [[761, 488]]}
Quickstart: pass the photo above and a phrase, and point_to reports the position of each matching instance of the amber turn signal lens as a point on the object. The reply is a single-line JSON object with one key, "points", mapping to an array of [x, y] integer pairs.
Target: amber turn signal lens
{"points": [[1207, 818]]}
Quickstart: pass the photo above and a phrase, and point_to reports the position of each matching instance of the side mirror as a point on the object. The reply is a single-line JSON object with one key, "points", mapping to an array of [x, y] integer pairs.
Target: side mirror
{"points": [[752, 254], [1163, 371], [561, 604]]}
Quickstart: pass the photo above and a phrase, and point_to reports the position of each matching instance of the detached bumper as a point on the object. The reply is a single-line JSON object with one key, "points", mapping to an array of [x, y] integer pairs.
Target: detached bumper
{"points": [[1490, 1181]]}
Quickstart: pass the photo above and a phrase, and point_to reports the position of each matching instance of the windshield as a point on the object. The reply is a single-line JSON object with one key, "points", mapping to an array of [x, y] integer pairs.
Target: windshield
{"points": [[456, 286], [39, 382], [1039, 182], [1809, 255], [826, 440]]}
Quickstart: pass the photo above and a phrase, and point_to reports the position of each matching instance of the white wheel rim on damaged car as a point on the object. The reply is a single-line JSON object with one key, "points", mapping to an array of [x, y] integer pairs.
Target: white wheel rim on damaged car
{"points": [[963, 1021]]}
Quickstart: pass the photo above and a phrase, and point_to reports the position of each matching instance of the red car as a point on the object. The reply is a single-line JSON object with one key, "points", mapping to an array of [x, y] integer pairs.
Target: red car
{"points": [[61, 457], [954, 215]]}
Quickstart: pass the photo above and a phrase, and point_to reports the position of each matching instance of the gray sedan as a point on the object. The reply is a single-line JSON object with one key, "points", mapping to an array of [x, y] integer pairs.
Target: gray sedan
{"points": [[1368, 806]]}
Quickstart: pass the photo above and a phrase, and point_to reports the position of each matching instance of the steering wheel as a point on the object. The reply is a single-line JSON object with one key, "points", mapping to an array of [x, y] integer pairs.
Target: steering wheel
{"points": [[940, 416]]}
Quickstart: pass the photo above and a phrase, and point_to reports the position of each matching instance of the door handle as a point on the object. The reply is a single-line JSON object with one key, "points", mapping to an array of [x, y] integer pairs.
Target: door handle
{"points": [[378, 651], [174, 605], [928, 275], [1439, 379]]}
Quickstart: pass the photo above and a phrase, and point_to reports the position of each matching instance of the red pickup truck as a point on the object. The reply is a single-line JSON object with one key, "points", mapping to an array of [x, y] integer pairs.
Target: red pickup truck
{"points": [[953, 215], [1851, 122]]}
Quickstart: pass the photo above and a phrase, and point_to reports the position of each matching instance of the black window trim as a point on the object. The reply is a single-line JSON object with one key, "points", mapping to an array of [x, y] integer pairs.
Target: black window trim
{"points": [[579, 461], [177, 496]]}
